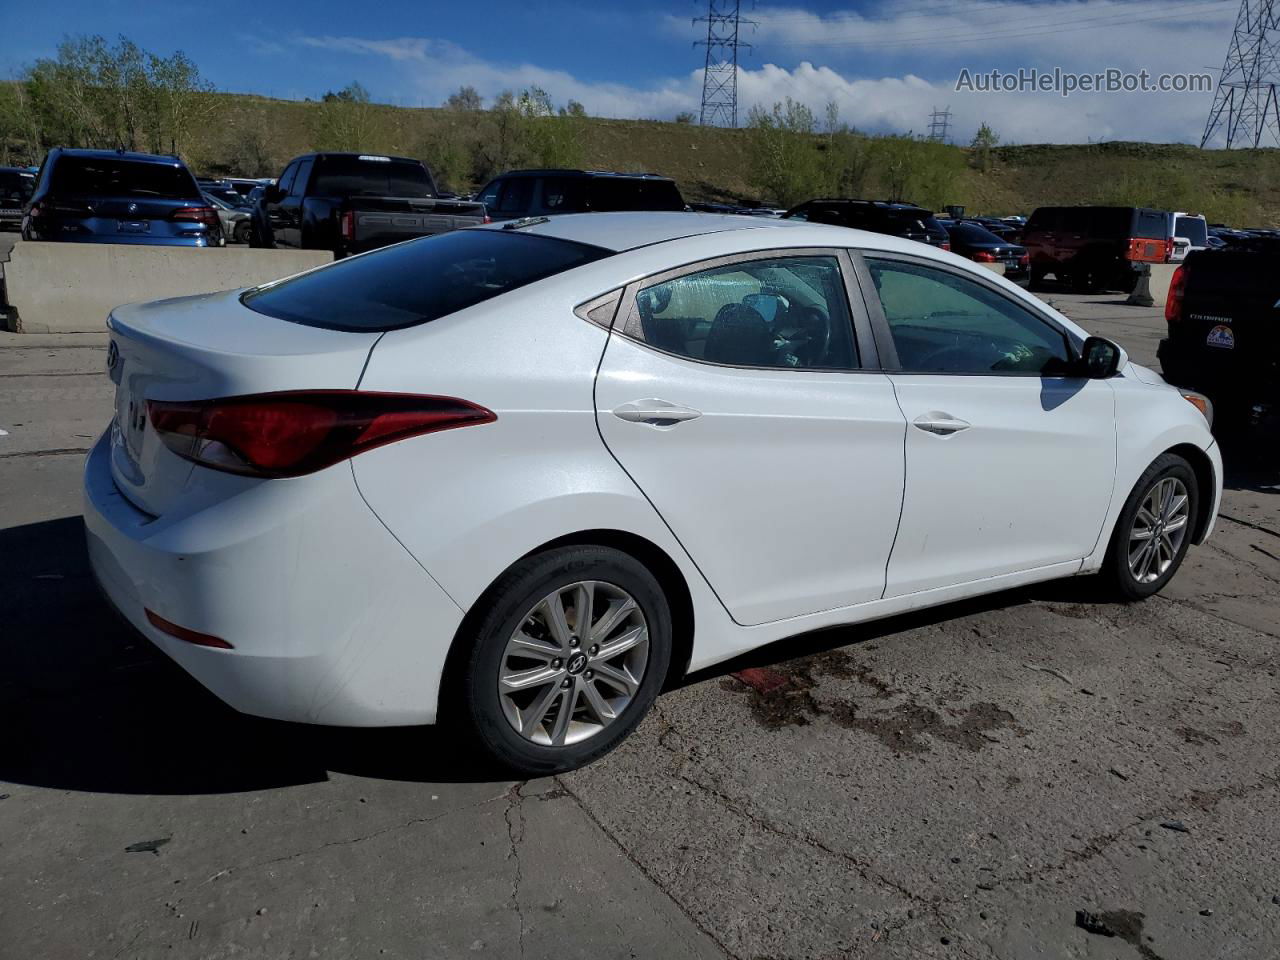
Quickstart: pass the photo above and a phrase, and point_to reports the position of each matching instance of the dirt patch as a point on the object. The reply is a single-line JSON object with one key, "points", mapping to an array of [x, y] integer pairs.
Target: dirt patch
{"points": [[1200, 737], [909, 727], [781, 696], [1124, 924]]}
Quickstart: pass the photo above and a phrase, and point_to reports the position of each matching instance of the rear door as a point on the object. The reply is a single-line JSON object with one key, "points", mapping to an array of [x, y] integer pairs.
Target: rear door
{"points": [[1009, 462], [732, 393]]}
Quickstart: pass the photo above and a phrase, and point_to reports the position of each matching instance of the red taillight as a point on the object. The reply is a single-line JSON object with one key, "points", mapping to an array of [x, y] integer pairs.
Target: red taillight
{"points": [[182, 633], [946, 245], [297, 432], [1025, 260], [982, 256], [488, 219], [1177, 290], [206, 215], [348, 225]]}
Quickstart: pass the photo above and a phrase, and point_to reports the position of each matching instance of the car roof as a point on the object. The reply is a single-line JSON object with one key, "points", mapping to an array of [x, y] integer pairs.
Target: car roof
{"points": [[566, 172], [630, 230], [878, 204], [167, 160]]}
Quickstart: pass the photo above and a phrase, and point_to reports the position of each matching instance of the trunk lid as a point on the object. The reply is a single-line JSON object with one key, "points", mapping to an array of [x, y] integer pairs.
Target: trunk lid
{"points": [[1231, 310], [202, 347]]}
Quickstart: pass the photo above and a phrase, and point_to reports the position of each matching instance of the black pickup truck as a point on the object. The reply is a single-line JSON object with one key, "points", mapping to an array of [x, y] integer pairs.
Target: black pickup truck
{"points": [[1223, 313], [352, 202]]}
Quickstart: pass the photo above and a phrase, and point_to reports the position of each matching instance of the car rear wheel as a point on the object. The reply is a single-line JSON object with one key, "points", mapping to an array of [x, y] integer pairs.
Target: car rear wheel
{"points": [[1154, 529], [567, 657]]}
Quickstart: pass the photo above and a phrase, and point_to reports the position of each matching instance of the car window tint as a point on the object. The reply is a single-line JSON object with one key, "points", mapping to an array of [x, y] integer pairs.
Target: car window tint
{"points": [[16, 186], [516, 195], [112, 177], [418, 281], [561, 194], [489, 195], [285, 183], [1151, 225], [944, 323], [343, 175], [1193, 228], [299, 186], [787, 312], [626, 193]]}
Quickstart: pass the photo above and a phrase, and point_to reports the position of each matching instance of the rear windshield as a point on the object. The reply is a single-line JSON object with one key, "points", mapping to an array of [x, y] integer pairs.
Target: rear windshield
{"points": [[113, 177], [972, 233], [15, 185], [1193, 229], [418, 281], [620, 193], [356, 177]]}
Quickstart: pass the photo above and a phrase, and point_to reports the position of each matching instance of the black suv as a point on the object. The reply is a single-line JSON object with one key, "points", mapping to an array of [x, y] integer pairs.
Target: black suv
{"points": [[879, 216], [541, 193]]}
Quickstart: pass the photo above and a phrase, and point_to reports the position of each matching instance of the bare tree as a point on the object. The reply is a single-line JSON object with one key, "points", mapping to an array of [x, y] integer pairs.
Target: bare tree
{"points": [[467, 98]]}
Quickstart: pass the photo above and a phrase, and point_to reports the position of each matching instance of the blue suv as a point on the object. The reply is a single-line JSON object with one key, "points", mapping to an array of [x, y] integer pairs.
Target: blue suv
{"points": [[110, 196]]}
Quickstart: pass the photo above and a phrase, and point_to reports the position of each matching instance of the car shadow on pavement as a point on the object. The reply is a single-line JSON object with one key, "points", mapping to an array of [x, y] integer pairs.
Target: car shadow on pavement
{"points": [[88, 704]]}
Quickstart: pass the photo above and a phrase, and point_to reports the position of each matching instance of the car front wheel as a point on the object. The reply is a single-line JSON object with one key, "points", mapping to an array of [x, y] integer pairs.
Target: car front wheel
{"points": [[1154, 529], [566, 659]]}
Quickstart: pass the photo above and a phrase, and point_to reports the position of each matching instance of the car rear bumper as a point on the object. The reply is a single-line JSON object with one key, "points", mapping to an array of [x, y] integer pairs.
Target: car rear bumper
{"points": [[331, 620]]}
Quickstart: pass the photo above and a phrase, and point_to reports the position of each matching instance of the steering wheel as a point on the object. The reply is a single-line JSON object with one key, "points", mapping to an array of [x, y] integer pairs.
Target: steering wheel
{"points": [[817, 330]]}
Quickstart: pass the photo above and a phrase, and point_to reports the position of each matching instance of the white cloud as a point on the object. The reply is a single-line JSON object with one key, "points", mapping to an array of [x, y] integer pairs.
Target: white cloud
{"points": [[888, 67]]}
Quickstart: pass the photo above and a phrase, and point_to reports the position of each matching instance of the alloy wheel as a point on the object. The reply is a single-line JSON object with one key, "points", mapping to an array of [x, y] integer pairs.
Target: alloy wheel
{"points": [[1159, 527], [574, 664]]}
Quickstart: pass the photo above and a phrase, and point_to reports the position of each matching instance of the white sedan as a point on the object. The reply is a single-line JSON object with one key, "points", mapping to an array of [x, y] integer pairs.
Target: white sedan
{"points": [[519, 477]]}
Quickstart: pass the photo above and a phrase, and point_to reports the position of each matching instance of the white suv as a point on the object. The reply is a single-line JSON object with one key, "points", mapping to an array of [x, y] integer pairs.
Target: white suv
{"points": [[1189, 232]]}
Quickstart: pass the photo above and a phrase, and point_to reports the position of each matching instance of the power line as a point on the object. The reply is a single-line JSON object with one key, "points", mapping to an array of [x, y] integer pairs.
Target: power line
{"points": [[720, 74], [940, 124], [1245, 107]]}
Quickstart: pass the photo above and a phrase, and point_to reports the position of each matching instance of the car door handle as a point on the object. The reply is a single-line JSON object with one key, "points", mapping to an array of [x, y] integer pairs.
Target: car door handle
{"points": [[657, 413], [943, 424]]}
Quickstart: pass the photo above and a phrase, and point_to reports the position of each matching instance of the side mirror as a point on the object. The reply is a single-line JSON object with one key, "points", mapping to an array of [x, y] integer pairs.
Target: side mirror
{"points": [[1100, 358]]}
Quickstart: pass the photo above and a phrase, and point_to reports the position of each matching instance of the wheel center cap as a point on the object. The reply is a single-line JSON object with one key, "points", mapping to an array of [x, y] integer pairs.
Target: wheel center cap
{"points": [[577, 663]]}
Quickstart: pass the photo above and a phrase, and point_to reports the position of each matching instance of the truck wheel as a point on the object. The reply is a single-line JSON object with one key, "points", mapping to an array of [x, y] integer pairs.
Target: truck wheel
{"points": [[243, 232]]}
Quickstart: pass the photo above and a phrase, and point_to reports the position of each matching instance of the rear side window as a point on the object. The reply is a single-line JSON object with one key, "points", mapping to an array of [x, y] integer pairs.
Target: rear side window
{"points": [[351, 176], [114, 177], [1044, 218], [517, 194], [562, 194], [419, 281], [622, 193]]}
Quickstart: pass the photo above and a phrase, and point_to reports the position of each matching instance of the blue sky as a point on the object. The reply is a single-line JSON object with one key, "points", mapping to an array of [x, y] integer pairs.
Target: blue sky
{"points": [[884, 63]]}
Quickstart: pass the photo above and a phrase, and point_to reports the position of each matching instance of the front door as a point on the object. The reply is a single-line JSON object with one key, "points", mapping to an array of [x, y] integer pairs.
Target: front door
{"points": [[732, 394], [1010, 462]]}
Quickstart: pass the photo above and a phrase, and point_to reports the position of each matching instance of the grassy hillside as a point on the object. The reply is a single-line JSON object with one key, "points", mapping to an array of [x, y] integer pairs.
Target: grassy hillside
{"points": [[253, 135]]}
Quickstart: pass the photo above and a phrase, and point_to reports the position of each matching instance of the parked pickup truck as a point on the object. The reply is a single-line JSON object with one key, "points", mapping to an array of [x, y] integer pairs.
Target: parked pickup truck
{"points": [[349, 203], [1223, 313]]}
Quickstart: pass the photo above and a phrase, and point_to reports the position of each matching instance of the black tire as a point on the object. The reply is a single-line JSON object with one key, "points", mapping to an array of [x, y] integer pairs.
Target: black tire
{"points": [[1116, 569], [243, 232], [509, 601]]}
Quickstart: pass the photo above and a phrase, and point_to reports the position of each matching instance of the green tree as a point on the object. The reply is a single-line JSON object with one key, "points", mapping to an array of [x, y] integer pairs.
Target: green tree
{"points": [[984, 141], [467, 98], [784, 162], [343, 120], [684, 116]]}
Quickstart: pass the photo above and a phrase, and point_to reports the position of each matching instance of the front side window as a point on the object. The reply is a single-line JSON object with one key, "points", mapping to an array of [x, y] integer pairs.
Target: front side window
{"points": [[489, 195], [517, 193], [299, 186], [787, 312], [945, 323]]}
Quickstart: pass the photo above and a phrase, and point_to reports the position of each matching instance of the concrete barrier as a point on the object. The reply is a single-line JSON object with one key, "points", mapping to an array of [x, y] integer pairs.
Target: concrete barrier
{"points": [[71, 287], [1152, 289]]}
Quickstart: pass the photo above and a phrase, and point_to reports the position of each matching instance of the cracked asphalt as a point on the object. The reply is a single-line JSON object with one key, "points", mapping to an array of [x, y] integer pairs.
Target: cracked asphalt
{"points": [[1037, 774]]}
